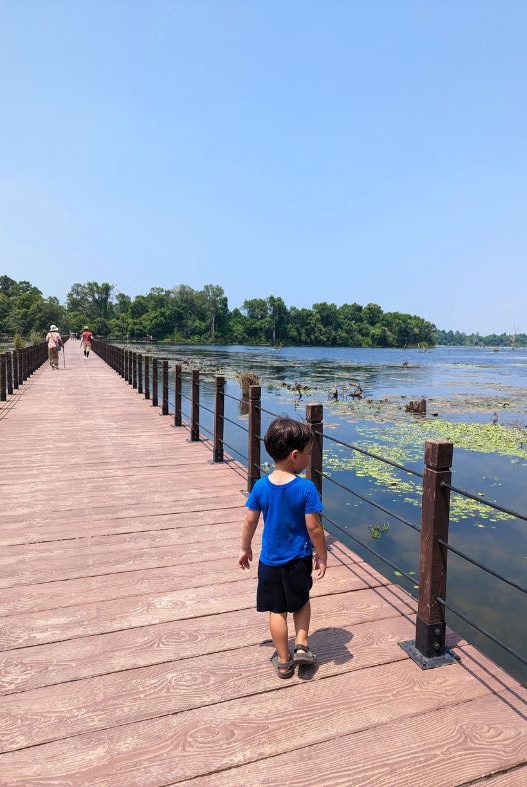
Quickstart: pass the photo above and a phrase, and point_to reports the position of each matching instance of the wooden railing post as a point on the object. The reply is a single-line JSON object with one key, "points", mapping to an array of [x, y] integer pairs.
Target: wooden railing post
{"points": [[14, 356], [140, 373], [9, 369], [125, 365], [155, 383], [177, 395], [429, 649], [134, 370], [164, 405], [25, 365], [147, 376], [194, 426], [315, 420], [219, 411], [3, 390], [255, 430], [20, 354]]}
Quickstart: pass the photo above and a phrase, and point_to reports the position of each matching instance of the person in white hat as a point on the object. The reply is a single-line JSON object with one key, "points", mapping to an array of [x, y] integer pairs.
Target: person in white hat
{"points": [[54, 344]]}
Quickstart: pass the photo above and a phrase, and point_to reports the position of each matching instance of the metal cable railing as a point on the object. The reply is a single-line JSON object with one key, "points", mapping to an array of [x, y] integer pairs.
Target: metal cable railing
{"points": [[482, 630], [231, 448], [370, 502], [484, 502], [234, 423], [369, 453], [234, 398], [369, 549], [206, 430], [269, 412], [481, 565]]}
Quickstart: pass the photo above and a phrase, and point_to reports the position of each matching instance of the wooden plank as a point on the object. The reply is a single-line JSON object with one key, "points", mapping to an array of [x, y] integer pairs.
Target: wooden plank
{"points": [[131, 611], [65, 593], [448, 747], [193, 519], [43, 665], [516, 777], [131, 696], [178, 747]]}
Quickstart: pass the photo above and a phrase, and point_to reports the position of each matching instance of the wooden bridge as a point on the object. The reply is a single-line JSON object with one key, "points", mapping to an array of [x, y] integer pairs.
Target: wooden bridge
{"points": [[130, 649]]}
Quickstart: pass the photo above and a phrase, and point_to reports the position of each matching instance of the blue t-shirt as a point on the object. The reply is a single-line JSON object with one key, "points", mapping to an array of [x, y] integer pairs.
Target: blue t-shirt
{"points": [[284, 508]]}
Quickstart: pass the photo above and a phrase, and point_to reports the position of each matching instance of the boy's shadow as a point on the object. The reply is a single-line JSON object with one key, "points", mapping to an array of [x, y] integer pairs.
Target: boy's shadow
{"points": [[330, 645]]}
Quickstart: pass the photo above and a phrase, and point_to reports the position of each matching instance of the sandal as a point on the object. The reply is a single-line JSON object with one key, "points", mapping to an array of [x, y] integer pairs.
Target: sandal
{"points": [[284, 669], [303, 655]]}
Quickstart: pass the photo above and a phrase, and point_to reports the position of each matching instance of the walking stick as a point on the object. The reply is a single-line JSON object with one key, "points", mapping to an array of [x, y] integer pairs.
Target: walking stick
{"points": [[63, 356]]}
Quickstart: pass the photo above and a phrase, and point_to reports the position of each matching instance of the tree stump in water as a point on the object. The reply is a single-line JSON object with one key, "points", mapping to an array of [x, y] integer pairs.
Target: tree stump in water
{"points": [[246, 379], [419, 406]]}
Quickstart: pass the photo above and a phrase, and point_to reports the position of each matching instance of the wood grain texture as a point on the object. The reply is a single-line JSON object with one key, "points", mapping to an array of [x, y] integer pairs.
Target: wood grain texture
{"points": [[195, 742], [233, 593], [125, 697], [448, 747], [74, 659]]}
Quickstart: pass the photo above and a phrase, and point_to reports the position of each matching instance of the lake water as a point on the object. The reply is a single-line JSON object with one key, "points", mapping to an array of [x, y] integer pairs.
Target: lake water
{"points": [[476, 397]]}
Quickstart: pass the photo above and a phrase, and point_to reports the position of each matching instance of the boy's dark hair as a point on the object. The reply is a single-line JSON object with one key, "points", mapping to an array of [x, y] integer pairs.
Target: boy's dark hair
{"points": [[285, 435]]}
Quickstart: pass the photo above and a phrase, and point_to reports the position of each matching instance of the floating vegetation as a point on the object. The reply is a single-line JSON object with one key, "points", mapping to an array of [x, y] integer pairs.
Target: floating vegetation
{"points": [[376, 531], [403, 443]]}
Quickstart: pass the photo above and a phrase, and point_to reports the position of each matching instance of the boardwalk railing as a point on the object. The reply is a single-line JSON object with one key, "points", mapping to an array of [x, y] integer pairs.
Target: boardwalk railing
{"points": [[16, 366], [429, 647]]}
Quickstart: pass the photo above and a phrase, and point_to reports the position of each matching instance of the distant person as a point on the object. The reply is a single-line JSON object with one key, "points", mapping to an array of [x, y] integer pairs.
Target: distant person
{"points": [[291, 510], [86, 337], [54, 344]]}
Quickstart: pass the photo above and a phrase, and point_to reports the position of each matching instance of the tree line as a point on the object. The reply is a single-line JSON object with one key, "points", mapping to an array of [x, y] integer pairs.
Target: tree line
{"points": [[186, 315]]}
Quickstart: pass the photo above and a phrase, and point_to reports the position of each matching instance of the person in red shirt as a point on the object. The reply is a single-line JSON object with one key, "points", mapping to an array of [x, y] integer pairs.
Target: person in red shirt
{"points": [[86, 337]]}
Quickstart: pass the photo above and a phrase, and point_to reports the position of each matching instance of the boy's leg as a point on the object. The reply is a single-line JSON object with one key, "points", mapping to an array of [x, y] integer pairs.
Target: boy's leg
{"points": [[279, 633], [302, 619]]}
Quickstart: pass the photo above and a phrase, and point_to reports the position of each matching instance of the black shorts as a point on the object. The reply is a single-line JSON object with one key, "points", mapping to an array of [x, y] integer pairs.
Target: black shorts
{"points": [[284, 588]]}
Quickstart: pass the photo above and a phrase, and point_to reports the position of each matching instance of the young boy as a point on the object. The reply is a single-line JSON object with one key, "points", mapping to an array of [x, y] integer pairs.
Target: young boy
{"points": [[291, 508]]}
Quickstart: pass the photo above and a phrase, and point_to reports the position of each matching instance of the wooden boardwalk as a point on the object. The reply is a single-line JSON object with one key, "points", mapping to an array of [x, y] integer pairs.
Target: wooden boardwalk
{"points": [[130, 650]]}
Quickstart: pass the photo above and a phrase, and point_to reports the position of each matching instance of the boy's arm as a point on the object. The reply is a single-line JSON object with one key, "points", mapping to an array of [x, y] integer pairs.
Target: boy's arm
{"points": [[248, 529], [318, 539]]}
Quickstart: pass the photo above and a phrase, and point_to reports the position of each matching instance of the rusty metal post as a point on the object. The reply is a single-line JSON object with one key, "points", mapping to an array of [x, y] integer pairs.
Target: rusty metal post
{"points": [[14, 355], [177, 395], [134, 370], [315, 420], [164, 405], [147, 376], [155, 382], [194, 426], [9, 369], [140, 373], [255, 429], [429, 650], [3, 393], [219, 411]]}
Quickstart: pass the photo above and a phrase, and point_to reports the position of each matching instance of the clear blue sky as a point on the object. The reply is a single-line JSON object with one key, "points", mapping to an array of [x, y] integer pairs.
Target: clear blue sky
{"points": [[337, 150]]}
